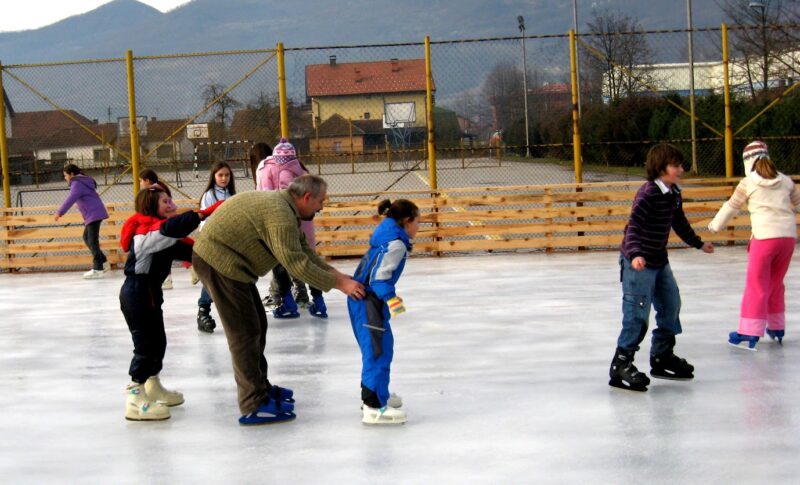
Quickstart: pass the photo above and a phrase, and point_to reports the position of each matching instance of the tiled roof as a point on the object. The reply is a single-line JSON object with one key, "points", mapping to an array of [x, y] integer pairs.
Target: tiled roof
{"points": [[40, 124], [394, 76], [78, 137]]}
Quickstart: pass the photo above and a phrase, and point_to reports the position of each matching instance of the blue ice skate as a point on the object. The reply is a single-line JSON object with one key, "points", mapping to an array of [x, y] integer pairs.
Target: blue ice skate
{"points": [[735, 338], [318, 308], [268, 413], [776, 335], [282, 394], [288, 308]]}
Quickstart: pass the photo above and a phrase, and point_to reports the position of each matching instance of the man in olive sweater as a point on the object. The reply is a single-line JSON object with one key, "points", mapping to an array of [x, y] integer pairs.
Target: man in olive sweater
{"points": [[249, 235]]}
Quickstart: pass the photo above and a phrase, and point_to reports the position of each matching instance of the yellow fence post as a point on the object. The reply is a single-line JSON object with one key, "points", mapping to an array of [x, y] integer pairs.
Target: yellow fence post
{"points": [[576, 121], [132, 122], [282, 93], [727, 98], [429, 93], [4, 145], [352, 148]]}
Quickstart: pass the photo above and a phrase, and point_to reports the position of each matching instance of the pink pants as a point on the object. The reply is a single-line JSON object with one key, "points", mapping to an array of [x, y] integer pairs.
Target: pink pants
{"points": [[762, 303]]}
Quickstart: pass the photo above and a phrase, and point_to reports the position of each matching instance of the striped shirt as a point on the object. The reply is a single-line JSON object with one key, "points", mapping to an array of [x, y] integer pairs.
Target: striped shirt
{"points": [[656, 209]]}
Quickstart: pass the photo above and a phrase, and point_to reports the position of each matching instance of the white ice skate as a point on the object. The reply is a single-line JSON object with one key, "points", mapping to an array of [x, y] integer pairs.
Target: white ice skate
{"points": [[93, 274], [156, 392], [384, 415], [140, 408]]}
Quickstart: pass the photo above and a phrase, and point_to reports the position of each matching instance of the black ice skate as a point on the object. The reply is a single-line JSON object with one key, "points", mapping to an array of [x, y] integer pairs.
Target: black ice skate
{"points": [[670, 366], [624, 374], [205, 322]]}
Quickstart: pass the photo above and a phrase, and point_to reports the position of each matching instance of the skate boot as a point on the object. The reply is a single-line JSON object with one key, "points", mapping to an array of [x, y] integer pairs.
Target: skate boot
{"points": [[394, 401], [301, 296], [283, 394], [271, 301], [269, 412], [776, 335], [140, 408], [624, 374], [384, 415], [318, 308], [735, 338], [205, 323], [670, 366], [167, 284], [156, 392], [288, 308]]}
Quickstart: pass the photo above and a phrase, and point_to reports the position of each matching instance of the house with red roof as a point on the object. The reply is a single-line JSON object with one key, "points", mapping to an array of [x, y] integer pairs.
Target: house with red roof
{"points": [[378, 102]]}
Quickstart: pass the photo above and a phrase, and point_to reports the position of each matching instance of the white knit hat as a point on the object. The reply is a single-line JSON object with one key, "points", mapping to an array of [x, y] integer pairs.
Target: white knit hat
{"points": [[753, 152]]}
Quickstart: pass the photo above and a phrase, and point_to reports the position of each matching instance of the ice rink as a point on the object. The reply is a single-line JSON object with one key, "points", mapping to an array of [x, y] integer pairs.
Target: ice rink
{"points": [[502, 362]]}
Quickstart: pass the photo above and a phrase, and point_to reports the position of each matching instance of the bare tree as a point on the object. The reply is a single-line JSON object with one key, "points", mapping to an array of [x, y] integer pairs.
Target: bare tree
{"points": [[620, 49], [762, 49], [225, 104], [503, 89]]}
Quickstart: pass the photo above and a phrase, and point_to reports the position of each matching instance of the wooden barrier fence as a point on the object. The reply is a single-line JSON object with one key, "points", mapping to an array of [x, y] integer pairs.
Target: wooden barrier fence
{"points": [[570, 217]]}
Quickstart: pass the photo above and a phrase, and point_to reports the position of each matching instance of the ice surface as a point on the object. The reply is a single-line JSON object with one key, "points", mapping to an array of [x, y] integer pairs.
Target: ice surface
{"points": [[502, 362]]}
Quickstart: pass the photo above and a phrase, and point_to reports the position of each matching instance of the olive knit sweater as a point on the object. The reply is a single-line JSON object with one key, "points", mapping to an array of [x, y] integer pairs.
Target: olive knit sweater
{"points": [[253, 232]]}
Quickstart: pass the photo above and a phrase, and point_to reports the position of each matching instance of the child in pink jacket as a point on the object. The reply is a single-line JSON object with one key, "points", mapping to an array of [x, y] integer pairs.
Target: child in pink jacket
{"points": [[276, 172], [772, 199]]}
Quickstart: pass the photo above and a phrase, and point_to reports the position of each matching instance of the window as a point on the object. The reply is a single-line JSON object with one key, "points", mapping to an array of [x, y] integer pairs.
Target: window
{"points": [[366, 115], [102, 155], [58, 156]]}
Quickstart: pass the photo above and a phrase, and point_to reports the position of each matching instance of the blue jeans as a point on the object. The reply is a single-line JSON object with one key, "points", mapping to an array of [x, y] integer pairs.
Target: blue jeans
{"points": [[640, 289], [205, 300]]}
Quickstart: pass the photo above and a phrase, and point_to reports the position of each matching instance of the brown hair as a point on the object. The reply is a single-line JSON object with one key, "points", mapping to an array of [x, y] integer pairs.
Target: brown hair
{"points": [[259, 152], [765, 168], [659, 157], [399, 210], [212, 181], [147, 200]]}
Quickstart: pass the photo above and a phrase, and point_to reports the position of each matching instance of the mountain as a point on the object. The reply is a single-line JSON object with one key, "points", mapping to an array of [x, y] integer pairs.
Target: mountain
{"points": [[214, 25]]}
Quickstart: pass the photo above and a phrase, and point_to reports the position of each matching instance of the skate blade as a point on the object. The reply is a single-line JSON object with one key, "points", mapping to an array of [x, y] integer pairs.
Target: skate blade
{"points": [[625, 387], [670, 377], [743, 347]]}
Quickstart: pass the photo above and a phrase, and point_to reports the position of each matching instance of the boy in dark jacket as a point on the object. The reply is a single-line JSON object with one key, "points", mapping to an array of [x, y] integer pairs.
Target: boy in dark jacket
{"points": [[647, 277]]}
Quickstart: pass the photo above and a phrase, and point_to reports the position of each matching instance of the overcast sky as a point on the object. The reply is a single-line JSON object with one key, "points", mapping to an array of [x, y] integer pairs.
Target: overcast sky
{"points": [[32, 14]]}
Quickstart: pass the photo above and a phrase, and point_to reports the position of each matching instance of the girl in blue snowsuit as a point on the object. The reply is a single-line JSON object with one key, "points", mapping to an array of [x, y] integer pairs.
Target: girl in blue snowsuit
{"points": [[379, 271]]}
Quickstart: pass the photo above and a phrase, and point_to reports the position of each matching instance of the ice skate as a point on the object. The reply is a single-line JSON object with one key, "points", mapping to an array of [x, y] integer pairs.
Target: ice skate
{"points": [[270, 412], [776, 335], [139, 407], [156, 392], [106, 267], [205, 322], [394, 401], [271, 301], [384, 415], [287, 309], [283, 394], [93, 274], [624, 375], [318, 308], [735, 339], [301, 296], [167, 284], [670, 366]]}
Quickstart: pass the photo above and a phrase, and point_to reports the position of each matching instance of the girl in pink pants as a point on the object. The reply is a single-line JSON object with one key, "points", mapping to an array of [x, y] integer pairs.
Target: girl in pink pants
{"points": [[771, 198]]}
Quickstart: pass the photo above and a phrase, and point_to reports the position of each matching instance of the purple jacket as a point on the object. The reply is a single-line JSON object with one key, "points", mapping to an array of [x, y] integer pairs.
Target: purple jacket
{"points": [[83, 191]]}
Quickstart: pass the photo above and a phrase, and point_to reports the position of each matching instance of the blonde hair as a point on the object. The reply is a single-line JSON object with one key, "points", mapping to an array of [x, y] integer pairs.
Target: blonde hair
{"points": [[765, 168]]}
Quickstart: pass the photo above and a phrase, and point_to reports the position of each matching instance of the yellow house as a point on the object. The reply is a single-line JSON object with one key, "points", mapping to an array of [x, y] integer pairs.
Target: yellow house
{"points": [[389, 92]]}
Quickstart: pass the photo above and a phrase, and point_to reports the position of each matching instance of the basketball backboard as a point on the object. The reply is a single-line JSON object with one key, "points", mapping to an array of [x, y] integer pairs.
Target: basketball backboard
{"points": [[195, 131], [399, 114], [124, 125]]}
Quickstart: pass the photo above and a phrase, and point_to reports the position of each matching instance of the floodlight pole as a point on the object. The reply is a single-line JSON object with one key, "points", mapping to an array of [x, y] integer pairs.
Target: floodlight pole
{"points": [[521, 21], [691, 86], [577, 59]]}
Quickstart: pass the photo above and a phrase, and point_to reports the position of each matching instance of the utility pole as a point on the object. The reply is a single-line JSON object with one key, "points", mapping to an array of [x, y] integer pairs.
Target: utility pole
{"points": [[691, 86], [521, 21]]}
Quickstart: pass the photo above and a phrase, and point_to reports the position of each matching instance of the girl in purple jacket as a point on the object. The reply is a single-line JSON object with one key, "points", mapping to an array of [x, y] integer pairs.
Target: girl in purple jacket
{"points": [[83, 192]]}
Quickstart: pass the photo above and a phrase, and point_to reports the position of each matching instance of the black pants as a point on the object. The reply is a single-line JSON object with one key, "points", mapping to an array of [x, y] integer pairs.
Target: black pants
{"points": [[91, 236], [282, 283], [141, 305]]}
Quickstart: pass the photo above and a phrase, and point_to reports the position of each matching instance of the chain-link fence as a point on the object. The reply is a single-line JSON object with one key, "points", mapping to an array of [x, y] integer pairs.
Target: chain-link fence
{"points": [[360, 117]]}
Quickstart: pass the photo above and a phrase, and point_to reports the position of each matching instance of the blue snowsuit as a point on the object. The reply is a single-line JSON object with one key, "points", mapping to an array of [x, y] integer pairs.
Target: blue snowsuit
{"points": [[378, 271]]}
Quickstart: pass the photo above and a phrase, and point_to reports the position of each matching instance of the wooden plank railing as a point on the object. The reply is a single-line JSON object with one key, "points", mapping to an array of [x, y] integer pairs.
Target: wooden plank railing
{"points": [[555, 217]]}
